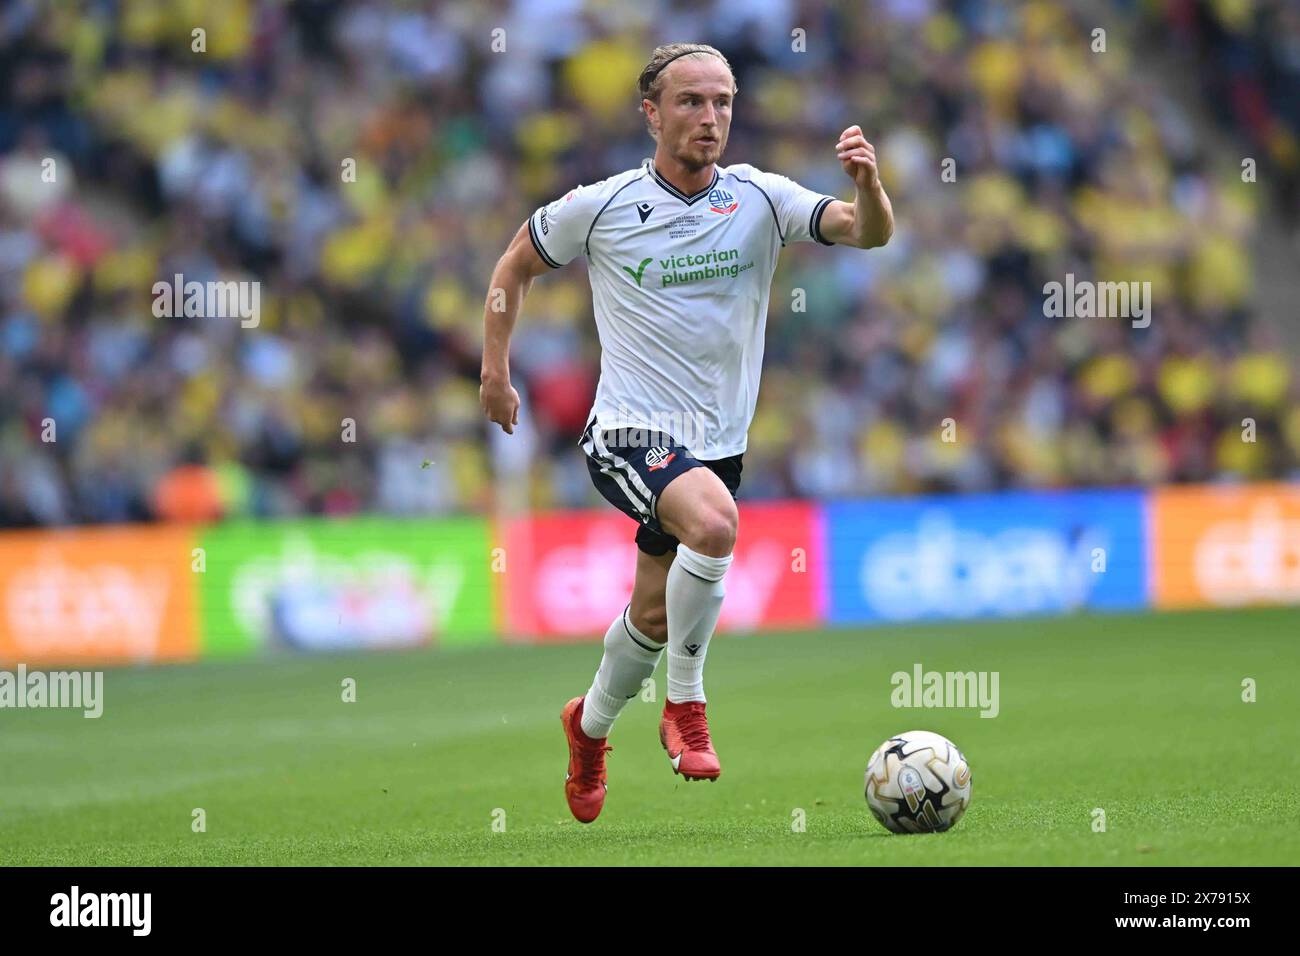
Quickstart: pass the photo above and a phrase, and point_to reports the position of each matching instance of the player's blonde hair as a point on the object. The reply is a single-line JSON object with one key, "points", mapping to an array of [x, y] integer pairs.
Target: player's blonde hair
{"points": [[651, 81]]}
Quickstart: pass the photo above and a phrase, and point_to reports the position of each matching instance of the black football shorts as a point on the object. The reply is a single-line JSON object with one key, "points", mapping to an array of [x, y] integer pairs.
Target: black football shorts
{"points": [[631, 477]]}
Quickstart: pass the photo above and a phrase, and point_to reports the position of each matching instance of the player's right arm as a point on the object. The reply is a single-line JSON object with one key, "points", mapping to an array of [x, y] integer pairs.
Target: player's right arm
{"points": [[511, 280], [552, 236]]}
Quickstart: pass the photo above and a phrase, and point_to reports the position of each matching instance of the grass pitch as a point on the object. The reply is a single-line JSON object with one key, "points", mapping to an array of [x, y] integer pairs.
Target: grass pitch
{"points": [[1139, 715]]}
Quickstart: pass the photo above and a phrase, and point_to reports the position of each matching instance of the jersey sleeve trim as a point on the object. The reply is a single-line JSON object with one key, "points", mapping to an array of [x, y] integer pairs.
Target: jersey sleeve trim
{"points": [[815, 221], [770, 206], [537, 244], [587, 242]]}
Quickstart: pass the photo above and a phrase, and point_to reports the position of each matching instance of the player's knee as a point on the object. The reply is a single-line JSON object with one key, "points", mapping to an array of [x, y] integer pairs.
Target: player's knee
{"points": [[715, 531], [652, 621]]}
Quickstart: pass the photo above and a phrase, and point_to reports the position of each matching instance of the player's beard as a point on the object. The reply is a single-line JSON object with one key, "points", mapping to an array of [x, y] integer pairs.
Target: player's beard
{"points": [[695, 157]]}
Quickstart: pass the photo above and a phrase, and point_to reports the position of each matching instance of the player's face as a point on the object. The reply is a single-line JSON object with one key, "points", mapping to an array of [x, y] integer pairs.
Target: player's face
{"points": [[694, 111]]}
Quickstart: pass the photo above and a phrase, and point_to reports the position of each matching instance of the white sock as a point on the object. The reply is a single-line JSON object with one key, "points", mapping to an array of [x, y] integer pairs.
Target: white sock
{"points": [[694, 597], [630, 657]]}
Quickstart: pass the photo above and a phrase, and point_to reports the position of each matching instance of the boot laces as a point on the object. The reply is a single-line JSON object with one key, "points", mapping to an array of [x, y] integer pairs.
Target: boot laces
{"points": [[591, 764], [694, 728]]}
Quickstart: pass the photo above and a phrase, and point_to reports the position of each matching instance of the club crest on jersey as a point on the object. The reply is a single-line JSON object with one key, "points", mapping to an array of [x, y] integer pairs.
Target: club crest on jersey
{"points": [[657, 458], [723, 202]]}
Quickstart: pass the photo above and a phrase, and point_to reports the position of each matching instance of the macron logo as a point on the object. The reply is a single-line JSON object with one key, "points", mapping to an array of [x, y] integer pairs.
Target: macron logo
{"points": [[102, 909]]}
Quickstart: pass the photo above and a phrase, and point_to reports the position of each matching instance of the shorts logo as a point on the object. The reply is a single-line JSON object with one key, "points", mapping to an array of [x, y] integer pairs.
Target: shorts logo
{"points": [[723, 202], [657, 458]]}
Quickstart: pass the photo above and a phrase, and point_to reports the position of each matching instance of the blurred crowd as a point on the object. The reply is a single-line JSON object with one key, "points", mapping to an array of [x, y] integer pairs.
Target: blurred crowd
{"points": [[367, 162], [1247, 56]]}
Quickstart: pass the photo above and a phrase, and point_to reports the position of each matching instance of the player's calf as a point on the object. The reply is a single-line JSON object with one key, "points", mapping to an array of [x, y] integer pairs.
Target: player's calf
{"points": [[630, 656], [649, 615], [698, 509]]}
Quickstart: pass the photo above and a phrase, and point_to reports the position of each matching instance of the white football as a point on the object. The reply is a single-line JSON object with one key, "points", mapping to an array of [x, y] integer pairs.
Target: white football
{"points": [[918, 782]]}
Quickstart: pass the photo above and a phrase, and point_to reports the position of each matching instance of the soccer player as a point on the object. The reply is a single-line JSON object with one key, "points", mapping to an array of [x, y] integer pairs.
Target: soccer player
{"points": [[680, 255]]}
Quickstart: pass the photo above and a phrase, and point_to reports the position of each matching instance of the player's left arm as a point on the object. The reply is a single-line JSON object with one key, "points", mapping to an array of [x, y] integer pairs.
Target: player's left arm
{"points": [[868, 221]]}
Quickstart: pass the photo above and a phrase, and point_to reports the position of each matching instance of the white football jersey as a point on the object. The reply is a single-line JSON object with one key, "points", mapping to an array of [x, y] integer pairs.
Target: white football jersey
{"points": [[680, 286]]}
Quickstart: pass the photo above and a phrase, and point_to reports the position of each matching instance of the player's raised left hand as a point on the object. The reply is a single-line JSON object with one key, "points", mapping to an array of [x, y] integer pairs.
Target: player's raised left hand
{"points": [[858, 157]]}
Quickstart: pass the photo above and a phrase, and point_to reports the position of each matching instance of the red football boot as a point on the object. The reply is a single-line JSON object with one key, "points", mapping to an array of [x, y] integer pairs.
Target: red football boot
{"points": [[684, 732], [584, 783]]}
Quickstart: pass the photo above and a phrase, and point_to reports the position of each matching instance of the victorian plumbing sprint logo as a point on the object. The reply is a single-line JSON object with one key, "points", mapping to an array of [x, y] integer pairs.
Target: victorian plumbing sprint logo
{"points": [[692, 267]]}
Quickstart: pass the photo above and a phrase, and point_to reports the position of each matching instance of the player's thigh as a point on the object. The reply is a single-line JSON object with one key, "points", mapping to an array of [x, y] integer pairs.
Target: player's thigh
{"points": [[697, 509], [649, 611]]}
